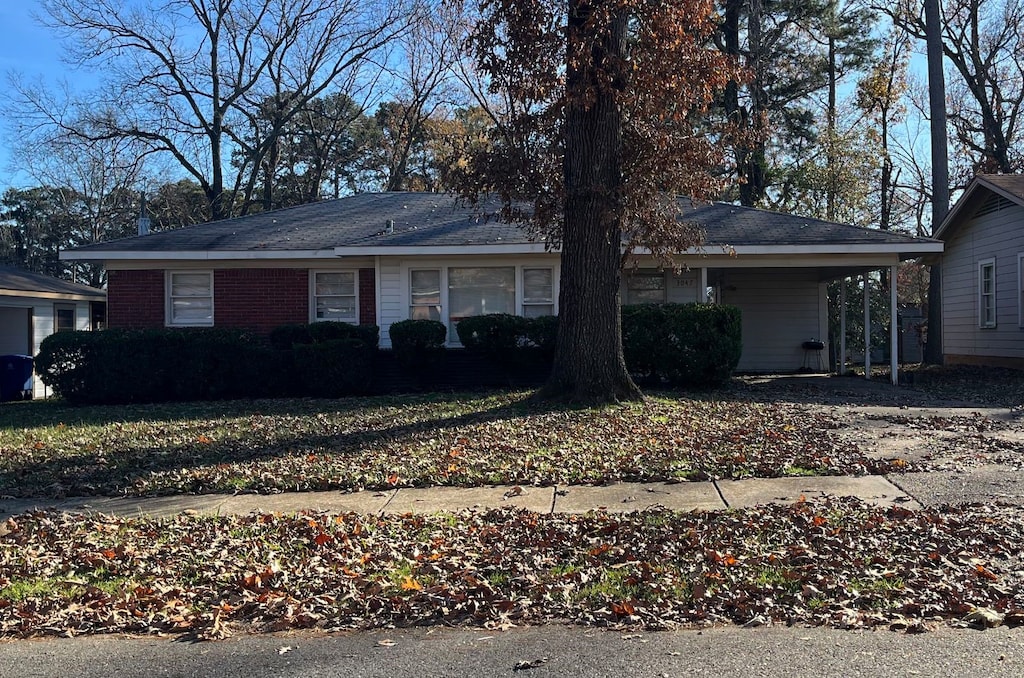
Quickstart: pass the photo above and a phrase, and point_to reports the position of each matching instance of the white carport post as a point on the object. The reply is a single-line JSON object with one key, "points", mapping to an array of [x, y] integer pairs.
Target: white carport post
{"points": [[867, 325], [702, 293], [842, 327], [894, 346]]}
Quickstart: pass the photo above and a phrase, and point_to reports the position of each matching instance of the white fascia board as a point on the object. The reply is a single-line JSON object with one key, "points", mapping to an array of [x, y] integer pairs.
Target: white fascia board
{"points": [[60, 296], [910, 249], [197, 255], [442, 250]]}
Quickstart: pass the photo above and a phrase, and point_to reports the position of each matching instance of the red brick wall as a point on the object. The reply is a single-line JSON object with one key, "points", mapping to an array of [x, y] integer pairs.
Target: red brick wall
{"points": [[135, 298], [260, 298], [253, 298], [367, 297]]}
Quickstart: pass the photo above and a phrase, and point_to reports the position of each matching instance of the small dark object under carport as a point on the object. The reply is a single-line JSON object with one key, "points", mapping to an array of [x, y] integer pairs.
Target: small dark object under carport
{"points": [[812, 348], [15, 377]]}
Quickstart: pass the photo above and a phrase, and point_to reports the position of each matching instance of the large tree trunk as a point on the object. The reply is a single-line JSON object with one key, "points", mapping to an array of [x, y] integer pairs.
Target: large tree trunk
{"points": [[589, 366], [940, 173]]}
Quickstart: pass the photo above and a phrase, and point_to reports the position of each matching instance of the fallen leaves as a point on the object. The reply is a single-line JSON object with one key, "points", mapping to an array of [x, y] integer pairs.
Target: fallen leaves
{"points": [[209, 576], [384, 443]]}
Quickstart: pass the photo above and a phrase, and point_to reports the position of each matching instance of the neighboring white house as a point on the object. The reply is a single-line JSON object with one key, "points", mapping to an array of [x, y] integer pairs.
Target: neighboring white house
{"points": [[385, 257], [34, 306], [983, 274]]}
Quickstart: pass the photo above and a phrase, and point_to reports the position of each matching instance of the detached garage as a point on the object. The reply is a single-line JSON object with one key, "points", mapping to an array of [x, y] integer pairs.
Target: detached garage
{"points": [[34, 306]]}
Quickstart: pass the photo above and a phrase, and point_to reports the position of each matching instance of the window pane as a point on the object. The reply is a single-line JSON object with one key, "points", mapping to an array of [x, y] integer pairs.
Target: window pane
{"points": [[645, 288], [479, 291], [537, 285], [335, 284], [192, 310], [65, 319], [336, 308], [425, 313], [190, 284], [646, 281], [426, 287], [537, 310]]}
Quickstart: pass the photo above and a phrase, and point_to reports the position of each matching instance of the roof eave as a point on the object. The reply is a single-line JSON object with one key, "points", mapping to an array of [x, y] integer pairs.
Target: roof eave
{"points": [[193, 255]]}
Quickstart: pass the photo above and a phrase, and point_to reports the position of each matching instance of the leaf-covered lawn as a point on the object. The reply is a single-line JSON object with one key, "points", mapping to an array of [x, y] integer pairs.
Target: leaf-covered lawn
{"points": [[47, 449], [838, 562]]}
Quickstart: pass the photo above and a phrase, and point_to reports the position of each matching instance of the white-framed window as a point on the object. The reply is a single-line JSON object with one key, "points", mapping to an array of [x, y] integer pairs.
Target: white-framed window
{"points": [[334, 296], [987, 293], [479, 290], [1020, 289], [190, 298], [64, 318], [538, 292], [448, 290], [425, 294], [645, 287]]}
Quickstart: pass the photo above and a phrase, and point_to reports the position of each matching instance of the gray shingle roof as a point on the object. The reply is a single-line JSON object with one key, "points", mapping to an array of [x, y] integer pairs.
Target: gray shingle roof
{"points": [[18, 280], [432, 219]]}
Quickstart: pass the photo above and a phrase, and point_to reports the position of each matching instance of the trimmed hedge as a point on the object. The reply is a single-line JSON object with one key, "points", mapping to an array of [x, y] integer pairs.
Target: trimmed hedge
{"points": [[285, 337], [682, 344], [677, 344], [157, 365], [153, 365], [419, 347], [510, 342]]}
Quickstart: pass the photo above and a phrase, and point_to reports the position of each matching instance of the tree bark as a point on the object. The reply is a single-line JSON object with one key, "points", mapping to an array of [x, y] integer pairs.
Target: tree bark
{"points": [[940, 173], [589, 366]]}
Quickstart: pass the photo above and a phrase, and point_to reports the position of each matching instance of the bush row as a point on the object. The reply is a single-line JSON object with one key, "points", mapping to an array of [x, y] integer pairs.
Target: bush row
{"points": [[691, 344], [154, 365]]}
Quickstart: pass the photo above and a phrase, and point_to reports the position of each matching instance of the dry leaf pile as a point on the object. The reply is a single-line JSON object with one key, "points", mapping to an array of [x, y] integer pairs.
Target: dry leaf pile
{"points": [[838, 562]]}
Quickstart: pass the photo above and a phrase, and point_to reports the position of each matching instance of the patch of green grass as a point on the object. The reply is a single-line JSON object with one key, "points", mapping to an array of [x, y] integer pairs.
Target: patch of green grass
{"points": [[800, 471]]}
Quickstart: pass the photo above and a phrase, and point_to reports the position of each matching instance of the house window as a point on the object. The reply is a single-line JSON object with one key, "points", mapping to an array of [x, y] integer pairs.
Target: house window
{"points": [[334, 296], [479, 291], [987, 293], [63, 317], [538, 292], [425, 295], [190, 298], [645, 287]]}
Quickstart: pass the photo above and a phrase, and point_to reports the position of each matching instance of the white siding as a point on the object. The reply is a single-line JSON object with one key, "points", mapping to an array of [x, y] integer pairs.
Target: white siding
{"points": [[781, 310], [393, 304], [1000, 236], [15, 332]]}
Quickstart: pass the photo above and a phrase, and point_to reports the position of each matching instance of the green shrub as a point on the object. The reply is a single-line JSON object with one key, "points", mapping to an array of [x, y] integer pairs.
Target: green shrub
{"points": [[419, 346], [286, 336], [683, 344], [335, 368], [153, 365], [509, 341]]}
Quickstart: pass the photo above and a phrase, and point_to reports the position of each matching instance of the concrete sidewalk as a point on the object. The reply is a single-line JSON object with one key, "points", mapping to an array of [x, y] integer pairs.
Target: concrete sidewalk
{"points": [[570, 499]]}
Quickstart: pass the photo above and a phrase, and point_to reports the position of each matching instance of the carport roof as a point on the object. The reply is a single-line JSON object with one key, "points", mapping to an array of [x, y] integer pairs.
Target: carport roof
{"points": [[19, 282]]}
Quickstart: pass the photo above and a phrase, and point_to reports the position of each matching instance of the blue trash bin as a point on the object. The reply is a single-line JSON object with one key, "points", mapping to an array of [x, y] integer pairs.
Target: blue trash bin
{"points": [[15, 377]]}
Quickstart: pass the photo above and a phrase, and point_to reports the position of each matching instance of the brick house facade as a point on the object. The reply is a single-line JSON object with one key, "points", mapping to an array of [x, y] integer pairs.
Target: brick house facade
{"points": [[258, 299]]}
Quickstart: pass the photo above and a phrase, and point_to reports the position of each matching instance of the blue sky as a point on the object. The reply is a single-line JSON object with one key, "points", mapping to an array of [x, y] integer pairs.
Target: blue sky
{"points": [[33, 52]]}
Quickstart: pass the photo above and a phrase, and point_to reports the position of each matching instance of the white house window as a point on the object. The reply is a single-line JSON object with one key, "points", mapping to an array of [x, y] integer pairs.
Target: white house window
{"points": [[987, 293], [334, 296], [479, 291], [538, 292], [63, 317], [645, 287], [425, 293], [190, 298]]}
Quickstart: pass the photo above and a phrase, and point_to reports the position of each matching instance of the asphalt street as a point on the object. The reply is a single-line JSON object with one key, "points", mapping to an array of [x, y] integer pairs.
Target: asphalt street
{"points": [[537, 652]]}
